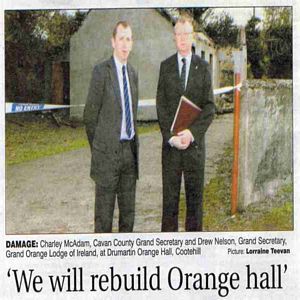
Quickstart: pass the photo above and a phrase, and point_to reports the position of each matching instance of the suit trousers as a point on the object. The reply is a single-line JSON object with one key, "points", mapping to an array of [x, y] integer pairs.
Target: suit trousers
{"points": [[120, 185], [190, 164]]}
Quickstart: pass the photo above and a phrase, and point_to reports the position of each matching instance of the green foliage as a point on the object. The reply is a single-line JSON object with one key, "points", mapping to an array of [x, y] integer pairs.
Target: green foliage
{"points": [[255, 50], [23, 52], [33, 39], [40, 138], [223, 31], [144, 128], [279, 51], [269, 214], [269, 47], [196, 13], [277, 16], [56, 28], [277, 35], [278, 218]]}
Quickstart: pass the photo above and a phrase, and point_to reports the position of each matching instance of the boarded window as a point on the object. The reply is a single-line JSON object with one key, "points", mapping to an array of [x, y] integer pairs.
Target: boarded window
{"points": [[203, 55]]}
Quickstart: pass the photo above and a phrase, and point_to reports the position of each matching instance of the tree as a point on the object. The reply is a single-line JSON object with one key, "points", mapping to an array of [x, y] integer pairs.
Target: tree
{"points": [[278, 36], [56, 28], [31, 39], [222, 30], [269, 47], [197, 13], [255, 50], [23, 55]]}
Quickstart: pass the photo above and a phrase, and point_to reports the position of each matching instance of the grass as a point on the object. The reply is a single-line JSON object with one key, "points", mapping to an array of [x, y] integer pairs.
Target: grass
{"points": [[269, 214], [39, 138], [144, 128], [28, 140]]}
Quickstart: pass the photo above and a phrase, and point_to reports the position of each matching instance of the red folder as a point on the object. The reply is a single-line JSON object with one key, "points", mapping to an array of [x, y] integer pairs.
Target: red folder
{"points": [[187, 112]]}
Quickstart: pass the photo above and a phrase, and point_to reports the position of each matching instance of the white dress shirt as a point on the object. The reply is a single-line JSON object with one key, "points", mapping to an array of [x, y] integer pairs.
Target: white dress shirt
{"points": [[124, 135], [187, 70], [187, 63]]}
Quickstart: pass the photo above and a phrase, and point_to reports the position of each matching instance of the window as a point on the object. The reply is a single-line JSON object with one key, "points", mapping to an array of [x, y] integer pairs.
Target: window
{"points": [[193, 49], [203, 54]]}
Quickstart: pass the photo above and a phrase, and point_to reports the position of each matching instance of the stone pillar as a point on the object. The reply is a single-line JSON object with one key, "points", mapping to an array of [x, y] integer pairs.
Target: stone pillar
{"points": [[265, 161]]}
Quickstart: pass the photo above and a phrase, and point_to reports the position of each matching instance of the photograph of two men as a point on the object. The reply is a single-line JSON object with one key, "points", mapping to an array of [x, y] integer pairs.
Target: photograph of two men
{"points": [[148, 120]]}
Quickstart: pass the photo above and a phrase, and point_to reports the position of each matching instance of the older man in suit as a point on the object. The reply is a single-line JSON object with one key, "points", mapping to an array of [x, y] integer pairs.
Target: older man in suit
{"points": [[110, 119], [184, 73]]}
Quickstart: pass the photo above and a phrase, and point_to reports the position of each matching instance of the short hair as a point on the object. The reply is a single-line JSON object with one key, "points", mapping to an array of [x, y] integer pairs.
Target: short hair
{"points": [[125, 24], [184, 19]]}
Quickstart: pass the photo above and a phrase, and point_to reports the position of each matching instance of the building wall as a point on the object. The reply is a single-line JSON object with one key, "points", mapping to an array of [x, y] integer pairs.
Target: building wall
{"points": [[226, 66], [265, 153], [208, 51], [205, 48], [153, 42]]}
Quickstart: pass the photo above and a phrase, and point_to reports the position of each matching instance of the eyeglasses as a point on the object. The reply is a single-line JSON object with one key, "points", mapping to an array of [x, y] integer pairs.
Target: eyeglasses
{"points": [[184, 34]]}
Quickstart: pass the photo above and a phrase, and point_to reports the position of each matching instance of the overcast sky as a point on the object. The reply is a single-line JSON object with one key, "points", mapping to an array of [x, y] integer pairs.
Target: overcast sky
{"points": [[240, 15]]}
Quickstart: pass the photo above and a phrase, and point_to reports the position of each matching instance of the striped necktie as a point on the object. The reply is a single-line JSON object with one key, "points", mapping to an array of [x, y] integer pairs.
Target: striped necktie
{"points": [[126, 103], [183, 72]]}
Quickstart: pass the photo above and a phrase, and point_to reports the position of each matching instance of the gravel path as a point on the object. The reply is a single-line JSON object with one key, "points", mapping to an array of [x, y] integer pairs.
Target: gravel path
{"points": [[56, 195]]}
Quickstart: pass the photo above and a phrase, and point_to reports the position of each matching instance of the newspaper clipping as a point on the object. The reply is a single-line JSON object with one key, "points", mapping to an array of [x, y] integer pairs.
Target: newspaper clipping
{"points": [[100, 199]]}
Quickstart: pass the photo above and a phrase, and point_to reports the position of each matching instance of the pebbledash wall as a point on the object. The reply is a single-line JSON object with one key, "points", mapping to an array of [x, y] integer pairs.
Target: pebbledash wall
{"points": [[153, 42], [266, 128], [92, 45]]}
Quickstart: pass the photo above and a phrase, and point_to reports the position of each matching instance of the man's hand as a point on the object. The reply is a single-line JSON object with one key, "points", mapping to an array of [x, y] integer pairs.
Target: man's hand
{"points": [[175, 141], [186, 137], [182, 140]]}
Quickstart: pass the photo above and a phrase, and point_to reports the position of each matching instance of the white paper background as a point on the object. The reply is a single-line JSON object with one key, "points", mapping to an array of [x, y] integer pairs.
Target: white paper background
{"points": [[213, 259]]}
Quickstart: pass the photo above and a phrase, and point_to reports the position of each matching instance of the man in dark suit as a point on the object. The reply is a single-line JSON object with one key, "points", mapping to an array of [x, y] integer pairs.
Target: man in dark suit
{"points": [[185, 74], [110, 119]]}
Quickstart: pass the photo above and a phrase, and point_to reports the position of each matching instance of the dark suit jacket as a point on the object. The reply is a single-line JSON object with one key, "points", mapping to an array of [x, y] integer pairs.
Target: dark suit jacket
{"points": [[103, 117], [198, 90]]}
